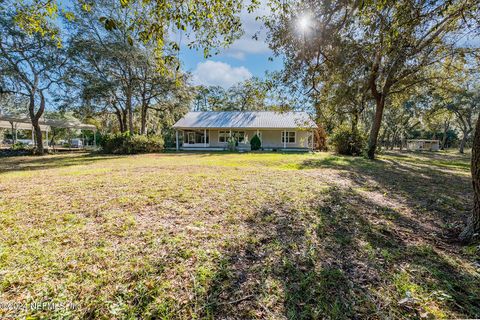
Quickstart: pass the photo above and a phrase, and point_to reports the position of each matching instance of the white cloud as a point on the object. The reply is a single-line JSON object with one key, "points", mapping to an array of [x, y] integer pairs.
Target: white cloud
{"points": [[216, 73]]}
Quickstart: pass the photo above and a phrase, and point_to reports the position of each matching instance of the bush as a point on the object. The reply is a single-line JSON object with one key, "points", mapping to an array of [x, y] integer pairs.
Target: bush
{"points": [[18, 146], [255, 143], [124, 143], [232, 144], [348, 142]]}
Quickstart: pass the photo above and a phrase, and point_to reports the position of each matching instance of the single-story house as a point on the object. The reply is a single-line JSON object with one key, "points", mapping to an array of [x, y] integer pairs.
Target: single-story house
{"points": [[277, 130], [422, 144]]}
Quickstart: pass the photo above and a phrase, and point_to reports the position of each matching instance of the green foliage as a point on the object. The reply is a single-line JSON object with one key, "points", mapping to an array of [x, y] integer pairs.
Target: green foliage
{"points": [[249, 95], [125, 143], [232, 143], [348, 142], [255, 143], [18, 146]]}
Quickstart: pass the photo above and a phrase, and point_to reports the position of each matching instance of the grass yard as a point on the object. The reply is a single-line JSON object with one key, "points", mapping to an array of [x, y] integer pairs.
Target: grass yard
{"points": [[239, 236]]}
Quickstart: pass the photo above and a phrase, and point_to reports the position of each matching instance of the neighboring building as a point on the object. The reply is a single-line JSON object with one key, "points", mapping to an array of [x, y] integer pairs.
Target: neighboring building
{"points": [[277, 131], [14, 124], [421, 144]]}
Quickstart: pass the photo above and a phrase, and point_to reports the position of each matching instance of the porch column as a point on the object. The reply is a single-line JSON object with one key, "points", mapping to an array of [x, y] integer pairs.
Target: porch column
{"points": [[285, 139], [176, 139], [205, 138], [258, 135], [95, 139], [313, 140], [46, 135]]}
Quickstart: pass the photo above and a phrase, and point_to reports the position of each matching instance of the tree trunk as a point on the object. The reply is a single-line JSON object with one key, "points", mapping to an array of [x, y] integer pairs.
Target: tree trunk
{"points": [[386, 143], [120, 121], [35, 117], [38, 138], [472, 231], [129, 109], [377, 122], [143, 119], [14, 138], [462, 143], [394, 141], [444, 137], [355, 120]]}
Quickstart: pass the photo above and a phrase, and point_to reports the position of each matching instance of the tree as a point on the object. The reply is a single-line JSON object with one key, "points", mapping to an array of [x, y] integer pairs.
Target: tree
{"points": [[30, 65], [403, 115], [120, 72], [388, 45], [472, 230], [208, 24], [465, 106], [440, 119], [249, 95]]}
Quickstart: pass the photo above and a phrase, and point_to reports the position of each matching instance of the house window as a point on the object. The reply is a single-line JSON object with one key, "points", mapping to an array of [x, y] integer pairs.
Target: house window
{"points": [[223, 136], [288, 137]]}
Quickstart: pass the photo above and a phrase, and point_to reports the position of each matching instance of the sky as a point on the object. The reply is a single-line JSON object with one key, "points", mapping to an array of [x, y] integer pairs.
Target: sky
{"points": [[245, 58]]}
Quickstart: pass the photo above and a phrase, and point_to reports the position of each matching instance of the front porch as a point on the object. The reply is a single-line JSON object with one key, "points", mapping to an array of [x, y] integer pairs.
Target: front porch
{"points": [[217, 139]]}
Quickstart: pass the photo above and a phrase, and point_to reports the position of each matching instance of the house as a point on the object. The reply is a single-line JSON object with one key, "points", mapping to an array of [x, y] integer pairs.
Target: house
{"points": [[277, 131], [421, 144]]}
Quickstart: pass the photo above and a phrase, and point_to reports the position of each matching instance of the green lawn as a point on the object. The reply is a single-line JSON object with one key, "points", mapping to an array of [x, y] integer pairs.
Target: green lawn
{"points": [[240, 236]]}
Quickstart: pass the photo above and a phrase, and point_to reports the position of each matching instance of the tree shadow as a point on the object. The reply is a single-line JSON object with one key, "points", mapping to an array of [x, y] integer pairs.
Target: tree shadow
{"points": [[439, 197], [33, 163], [347, 259]]}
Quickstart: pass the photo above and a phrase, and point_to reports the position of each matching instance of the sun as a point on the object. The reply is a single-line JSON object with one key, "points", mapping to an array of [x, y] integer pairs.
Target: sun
{"points": [[304, 22]]}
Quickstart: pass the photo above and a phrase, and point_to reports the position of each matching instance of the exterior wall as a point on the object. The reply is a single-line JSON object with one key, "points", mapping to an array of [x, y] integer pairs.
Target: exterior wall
{"points": [[271, 139], [214, 139], [418, 145]]}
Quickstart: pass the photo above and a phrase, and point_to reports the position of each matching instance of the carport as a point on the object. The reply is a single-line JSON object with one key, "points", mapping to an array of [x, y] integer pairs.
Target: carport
{"points": [[17, 123]]}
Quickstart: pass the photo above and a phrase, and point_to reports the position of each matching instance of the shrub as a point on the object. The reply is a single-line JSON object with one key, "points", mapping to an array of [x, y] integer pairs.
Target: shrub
{"points": [[18, 146], [232, 144], [124, 143], [348, 142], [255, 143]]}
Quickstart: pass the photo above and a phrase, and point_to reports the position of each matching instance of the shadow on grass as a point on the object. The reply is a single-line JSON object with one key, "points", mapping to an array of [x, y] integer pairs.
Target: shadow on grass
{"points": [[48, 162], [345, 261], [440, 197]]}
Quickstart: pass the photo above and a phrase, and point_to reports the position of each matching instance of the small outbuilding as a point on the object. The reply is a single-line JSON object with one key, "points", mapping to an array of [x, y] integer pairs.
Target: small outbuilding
{"points": [[46, 125], [422, 144]]}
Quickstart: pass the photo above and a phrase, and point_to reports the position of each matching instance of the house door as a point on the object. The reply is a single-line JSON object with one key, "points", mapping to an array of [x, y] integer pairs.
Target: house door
{"points": [[191, 137]]}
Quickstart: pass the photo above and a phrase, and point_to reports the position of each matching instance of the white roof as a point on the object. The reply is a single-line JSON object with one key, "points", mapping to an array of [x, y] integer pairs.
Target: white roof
{"points": [[26, 124], [19, 126], [422, 140], [246, 119]]}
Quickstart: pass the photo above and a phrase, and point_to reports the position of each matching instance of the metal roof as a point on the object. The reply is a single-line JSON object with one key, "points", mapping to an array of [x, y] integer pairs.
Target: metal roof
{"points": [[245, 119], [422, 140], [26, 124], [19, 126]]}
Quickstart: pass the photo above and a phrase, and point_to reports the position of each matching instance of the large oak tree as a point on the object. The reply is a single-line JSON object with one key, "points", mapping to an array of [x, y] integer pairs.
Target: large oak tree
{"points": [[387, 45]]}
